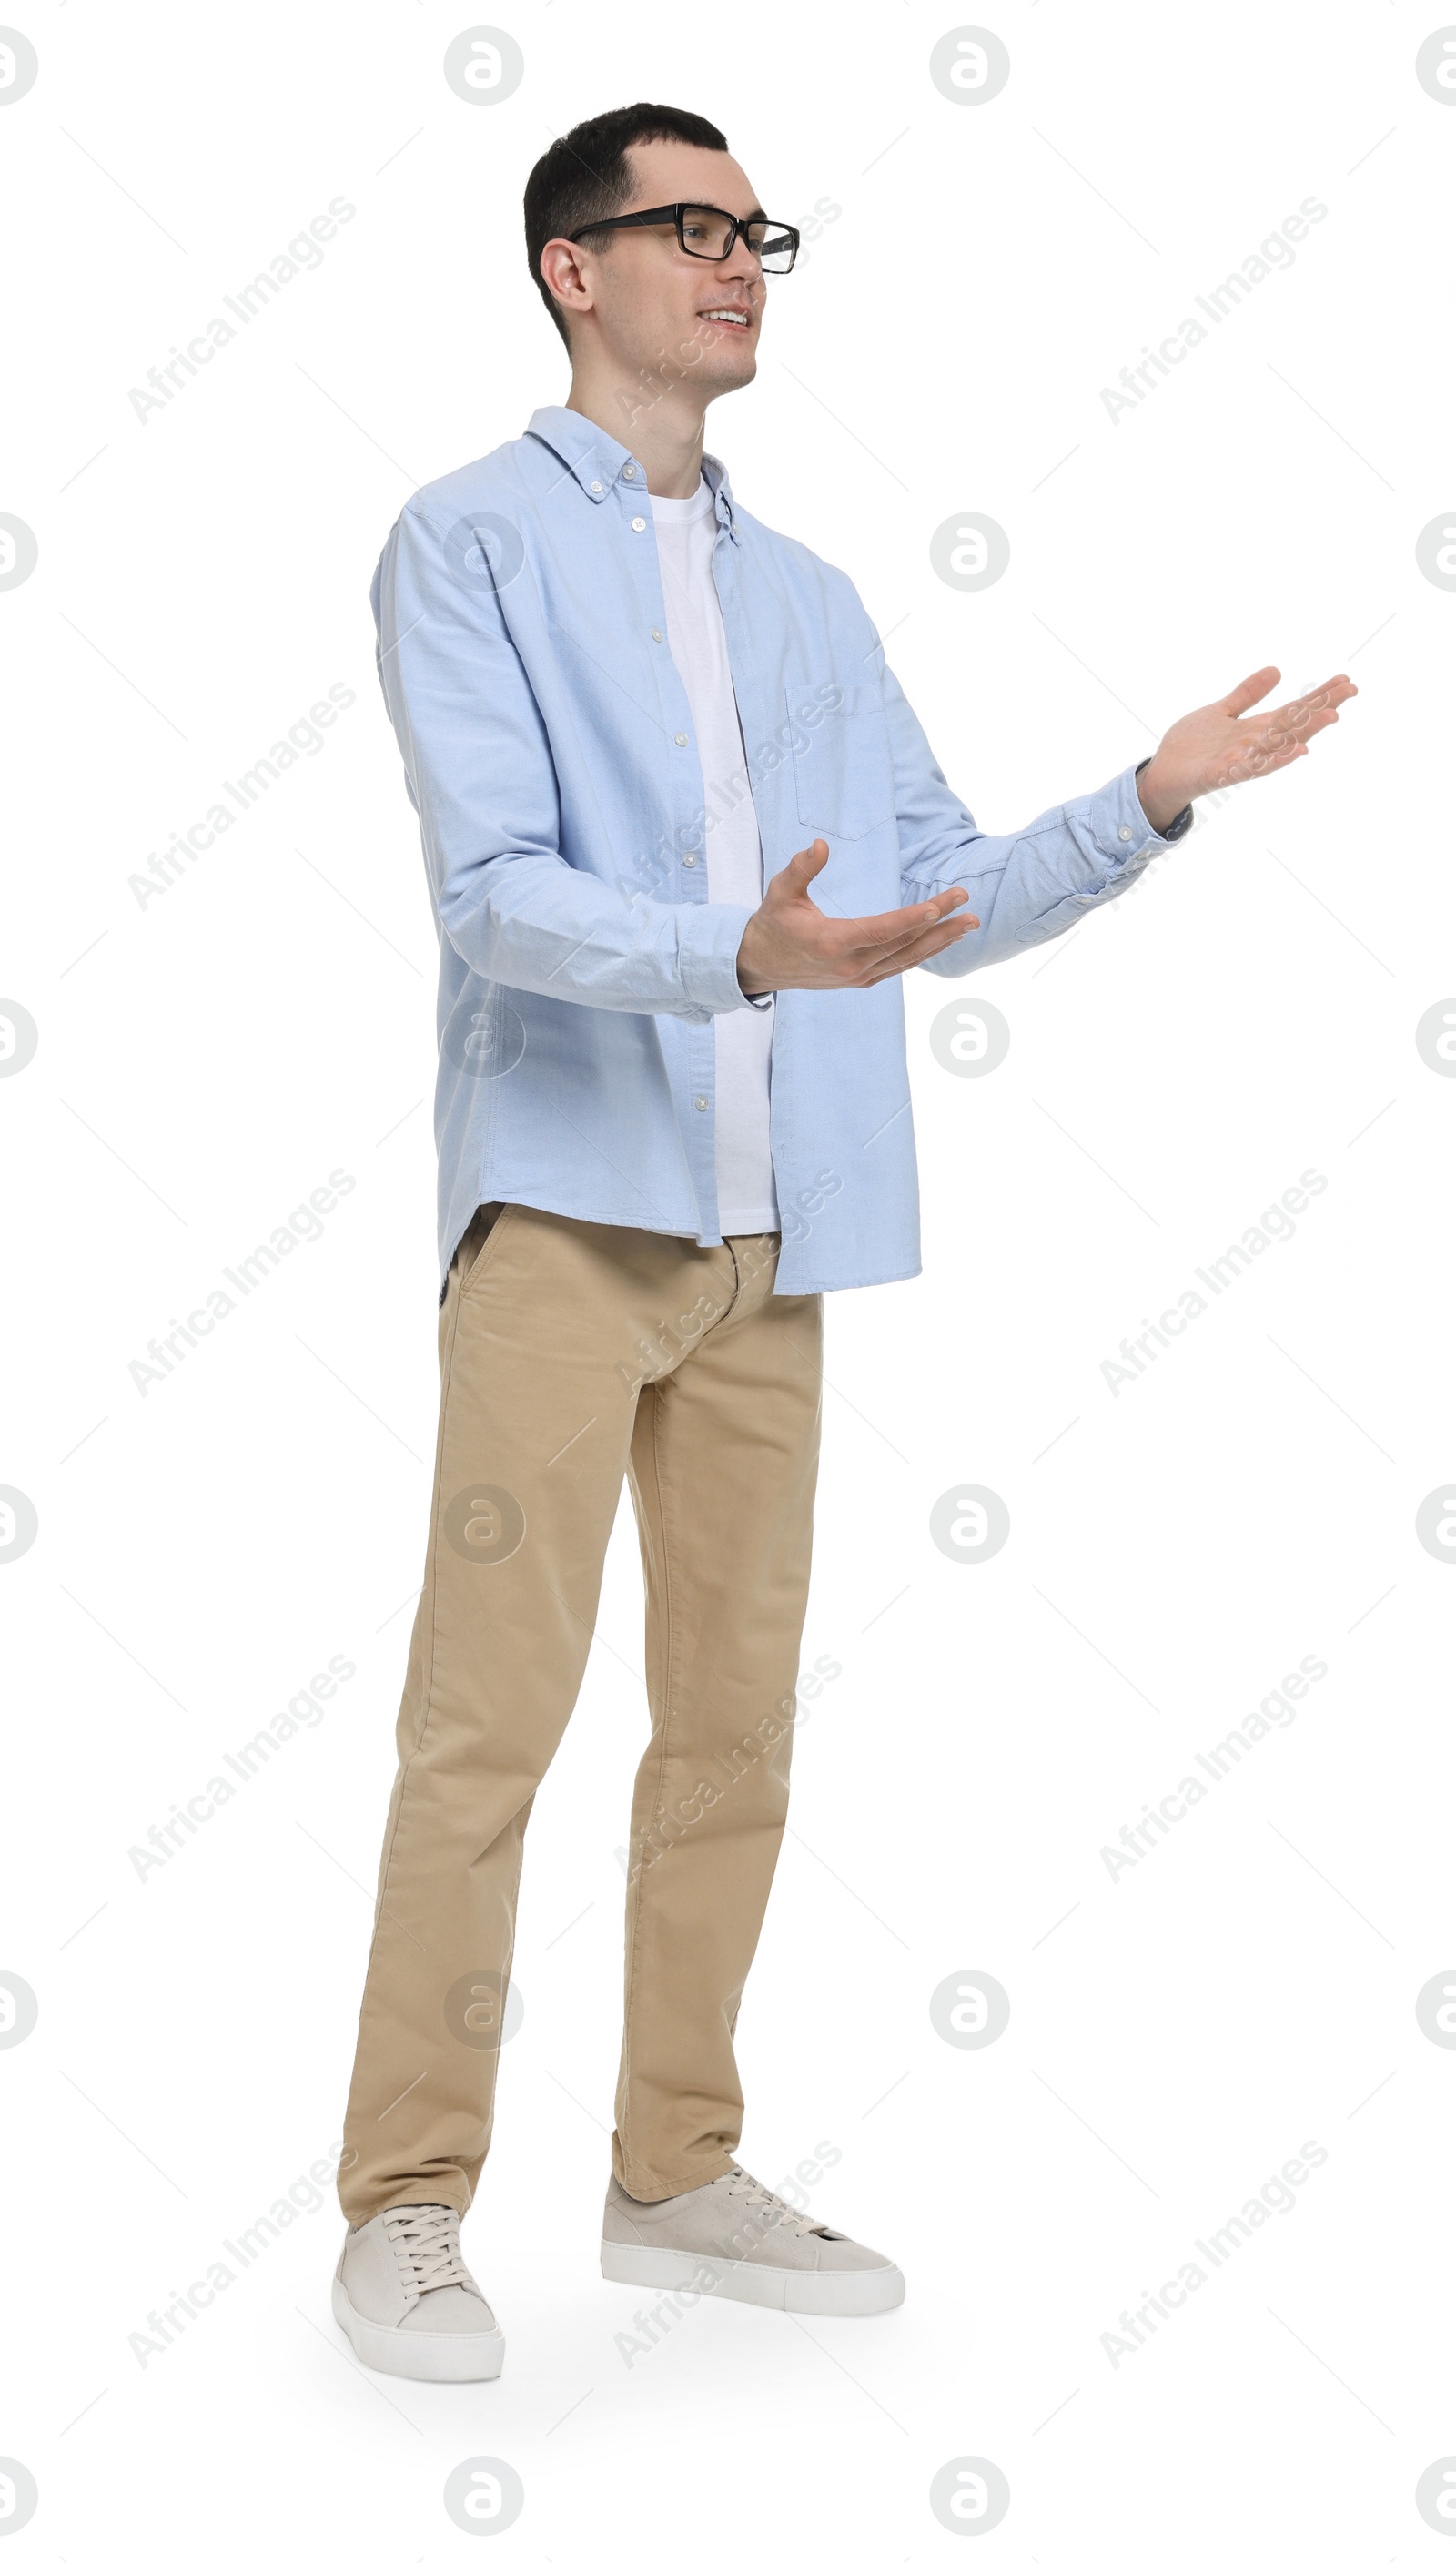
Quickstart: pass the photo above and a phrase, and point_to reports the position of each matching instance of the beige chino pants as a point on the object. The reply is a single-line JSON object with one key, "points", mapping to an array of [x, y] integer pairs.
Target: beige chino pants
{"points": [[572, 1353]]}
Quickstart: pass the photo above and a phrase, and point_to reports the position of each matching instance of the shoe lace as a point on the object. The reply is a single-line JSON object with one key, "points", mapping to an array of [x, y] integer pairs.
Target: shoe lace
{"points": [[426, 2248], [773, 2209]]}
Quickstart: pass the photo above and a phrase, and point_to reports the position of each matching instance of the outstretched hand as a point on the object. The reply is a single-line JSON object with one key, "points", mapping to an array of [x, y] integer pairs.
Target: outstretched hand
{"points": [[1214, 746], [787, 942]]}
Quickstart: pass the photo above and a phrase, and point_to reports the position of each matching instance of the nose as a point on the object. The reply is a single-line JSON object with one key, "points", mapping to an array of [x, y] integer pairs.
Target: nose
{"points": [[741, 266]]}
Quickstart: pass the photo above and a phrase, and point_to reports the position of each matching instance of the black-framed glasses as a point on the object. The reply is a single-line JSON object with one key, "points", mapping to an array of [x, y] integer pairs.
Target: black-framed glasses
{"points": [[705, 230]]}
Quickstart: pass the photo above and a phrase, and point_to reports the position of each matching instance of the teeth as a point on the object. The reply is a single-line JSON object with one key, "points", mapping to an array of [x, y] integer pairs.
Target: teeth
{"points": [[738, 318]]}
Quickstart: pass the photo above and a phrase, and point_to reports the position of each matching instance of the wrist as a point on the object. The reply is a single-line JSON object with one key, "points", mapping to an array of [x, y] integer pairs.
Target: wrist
{"points": [[749, 980], [1161, 807]]}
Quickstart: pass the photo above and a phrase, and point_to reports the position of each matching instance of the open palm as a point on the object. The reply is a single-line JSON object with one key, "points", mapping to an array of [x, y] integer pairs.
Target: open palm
{"points": [[1227, 742]]}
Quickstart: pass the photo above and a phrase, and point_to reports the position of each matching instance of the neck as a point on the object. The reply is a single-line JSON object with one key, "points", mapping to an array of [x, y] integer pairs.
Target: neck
{"points": [[663, 429]]}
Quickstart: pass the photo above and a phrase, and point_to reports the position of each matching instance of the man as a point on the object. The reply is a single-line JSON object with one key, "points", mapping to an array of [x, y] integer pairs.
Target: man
{"points": [[673, 1112]]}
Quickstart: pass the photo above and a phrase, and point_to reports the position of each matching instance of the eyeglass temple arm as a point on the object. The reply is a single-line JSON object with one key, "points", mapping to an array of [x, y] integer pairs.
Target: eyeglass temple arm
{"points": [[774, 232]]}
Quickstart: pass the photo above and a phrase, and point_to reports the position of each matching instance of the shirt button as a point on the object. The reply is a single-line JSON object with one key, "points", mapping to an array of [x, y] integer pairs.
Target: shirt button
{"points": [[597, 485], [1125, 833], [639, 524], [657, 634], [680, 739], [689, 862], [628, 471], [701, 1103]]}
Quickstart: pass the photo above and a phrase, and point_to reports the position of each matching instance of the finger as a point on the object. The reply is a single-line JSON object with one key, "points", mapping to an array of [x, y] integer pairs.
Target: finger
{"points": [[909, 956], [1295, 721], [1321, 705], [1252, 691], [1296, 724], [1334, 690], [873, 935], [895, 921], [869, 954], [1325, 698]]}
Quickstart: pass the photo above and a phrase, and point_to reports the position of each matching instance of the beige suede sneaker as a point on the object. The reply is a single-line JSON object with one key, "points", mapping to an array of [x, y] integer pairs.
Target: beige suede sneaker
{"points": [[735, 2238], [408, 2302]]}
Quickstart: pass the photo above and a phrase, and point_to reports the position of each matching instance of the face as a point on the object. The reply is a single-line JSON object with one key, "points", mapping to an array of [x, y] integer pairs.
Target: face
{"points": [[652, 302]]}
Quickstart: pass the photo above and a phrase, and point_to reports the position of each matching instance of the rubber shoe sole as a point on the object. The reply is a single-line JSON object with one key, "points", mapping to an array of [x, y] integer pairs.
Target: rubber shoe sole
{"points": [[749, 2283], [430, 2357]]}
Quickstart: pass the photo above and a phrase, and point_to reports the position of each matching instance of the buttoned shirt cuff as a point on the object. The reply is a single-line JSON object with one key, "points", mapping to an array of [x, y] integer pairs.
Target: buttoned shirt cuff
{"points": [[709, 937], [1116, 840], [1123, 834]]}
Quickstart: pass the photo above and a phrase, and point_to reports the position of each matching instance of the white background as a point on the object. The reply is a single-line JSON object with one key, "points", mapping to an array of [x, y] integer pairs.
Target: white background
{"points": [[1175, 1549]]}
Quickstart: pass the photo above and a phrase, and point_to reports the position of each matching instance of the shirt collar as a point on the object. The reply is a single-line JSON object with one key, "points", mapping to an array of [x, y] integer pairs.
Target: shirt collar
{"points": [[716, 475], [597, 461]]}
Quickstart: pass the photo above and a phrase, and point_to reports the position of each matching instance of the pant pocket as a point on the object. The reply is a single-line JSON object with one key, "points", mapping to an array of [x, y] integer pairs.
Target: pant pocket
{"points": [[484, 1225]]}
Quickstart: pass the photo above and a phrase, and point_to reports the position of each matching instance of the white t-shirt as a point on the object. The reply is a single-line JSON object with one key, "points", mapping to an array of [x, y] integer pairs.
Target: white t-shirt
{"points": [[685, 531]]}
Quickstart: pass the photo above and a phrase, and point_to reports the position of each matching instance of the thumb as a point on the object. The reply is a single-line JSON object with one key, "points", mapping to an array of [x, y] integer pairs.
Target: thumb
{"points": [[806, 866]]}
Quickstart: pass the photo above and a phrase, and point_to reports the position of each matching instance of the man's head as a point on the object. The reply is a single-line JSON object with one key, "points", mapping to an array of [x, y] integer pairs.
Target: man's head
{"points": [[633, 301]]}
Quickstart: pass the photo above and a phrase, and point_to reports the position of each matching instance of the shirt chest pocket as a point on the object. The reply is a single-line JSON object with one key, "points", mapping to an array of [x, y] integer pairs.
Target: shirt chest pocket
{"points": [[844, 780]]}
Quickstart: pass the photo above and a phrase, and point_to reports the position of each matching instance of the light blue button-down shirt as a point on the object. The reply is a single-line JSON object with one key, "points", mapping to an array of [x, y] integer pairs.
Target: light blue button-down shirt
{"points": [[549, 752]]}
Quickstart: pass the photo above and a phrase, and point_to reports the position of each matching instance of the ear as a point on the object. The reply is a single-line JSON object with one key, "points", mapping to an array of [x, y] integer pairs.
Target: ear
{"points": [[563, 269]]}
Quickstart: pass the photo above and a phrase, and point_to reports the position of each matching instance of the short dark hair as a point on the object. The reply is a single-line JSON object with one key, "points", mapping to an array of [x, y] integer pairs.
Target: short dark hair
{"points": [[587, 176]]}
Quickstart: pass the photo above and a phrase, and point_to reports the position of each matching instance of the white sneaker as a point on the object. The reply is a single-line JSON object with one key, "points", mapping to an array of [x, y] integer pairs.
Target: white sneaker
{"points": [[735, 2238], [408, 2302]]}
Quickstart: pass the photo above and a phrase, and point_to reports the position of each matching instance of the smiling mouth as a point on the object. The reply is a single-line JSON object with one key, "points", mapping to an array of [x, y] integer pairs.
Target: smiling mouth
{"points": [[725, 311]]}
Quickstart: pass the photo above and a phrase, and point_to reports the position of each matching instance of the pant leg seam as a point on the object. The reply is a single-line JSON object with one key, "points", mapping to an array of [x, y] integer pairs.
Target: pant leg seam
{"points": [[427, 1678], [668, 1668], [428, 1673]]}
